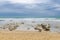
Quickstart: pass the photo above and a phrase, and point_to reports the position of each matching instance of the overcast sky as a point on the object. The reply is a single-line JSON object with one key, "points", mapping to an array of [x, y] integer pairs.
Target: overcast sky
{"points": [[37, 8]]}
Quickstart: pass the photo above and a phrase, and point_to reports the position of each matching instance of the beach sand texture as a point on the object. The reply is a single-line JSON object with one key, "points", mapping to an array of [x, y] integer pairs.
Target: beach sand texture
{"points": [[23, 35]]}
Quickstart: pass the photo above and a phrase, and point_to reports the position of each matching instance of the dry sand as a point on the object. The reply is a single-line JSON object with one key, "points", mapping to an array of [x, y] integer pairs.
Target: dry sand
{"points": [[23, 35]]}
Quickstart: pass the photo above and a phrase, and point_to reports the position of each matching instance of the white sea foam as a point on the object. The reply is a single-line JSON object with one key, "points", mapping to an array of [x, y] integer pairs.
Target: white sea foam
{"points": [[28, 22]]}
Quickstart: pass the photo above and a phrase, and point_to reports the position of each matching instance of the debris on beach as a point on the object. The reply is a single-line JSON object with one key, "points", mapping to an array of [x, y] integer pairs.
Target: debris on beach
{"points": [[42, 27]]}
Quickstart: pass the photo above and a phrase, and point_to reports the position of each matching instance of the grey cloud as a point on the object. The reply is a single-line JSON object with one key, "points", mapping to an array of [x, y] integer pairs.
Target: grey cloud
{"points": [[56, 1], [38, 9]]}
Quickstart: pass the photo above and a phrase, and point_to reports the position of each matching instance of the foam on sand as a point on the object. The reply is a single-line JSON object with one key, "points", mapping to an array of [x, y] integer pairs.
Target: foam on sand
{"points": [[28, 24]]}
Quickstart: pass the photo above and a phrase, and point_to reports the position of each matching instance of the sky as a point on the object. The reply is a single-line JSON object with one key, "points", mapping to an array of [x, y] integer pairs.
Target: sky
{"points": [[30, 8]]}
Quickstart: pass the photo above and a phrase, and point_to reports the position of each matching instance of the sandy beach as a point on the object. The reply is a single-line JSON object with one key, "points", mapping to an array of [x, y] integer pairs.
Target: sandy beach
{"points": [[23, 29], [23, 35]]}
